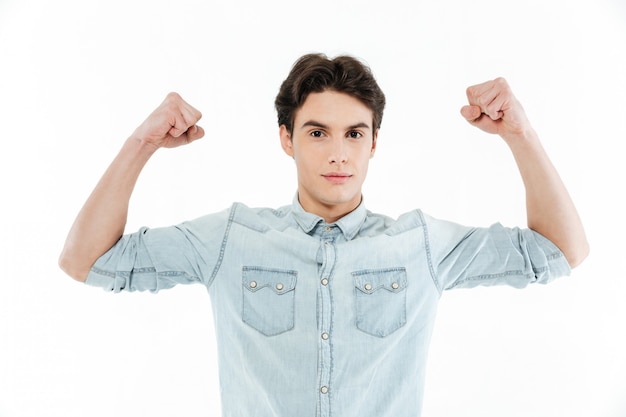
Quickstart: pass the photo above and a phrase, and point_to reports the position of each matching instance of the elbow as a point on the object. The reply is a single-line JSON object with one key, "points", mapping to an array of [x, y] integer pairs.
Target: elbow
{"points": [[71, 267], [577, 255]]}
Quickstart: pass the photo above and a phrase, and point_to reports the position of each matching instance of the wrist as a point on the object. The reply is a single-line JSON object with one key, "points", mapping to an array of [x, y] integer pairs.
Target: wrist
{"points": [[140, 147], [521, 139]]}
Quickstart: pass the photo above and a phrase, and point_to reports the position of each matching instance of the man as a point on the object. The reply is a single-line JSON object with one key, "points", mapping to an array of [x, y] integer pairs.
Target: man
{"points": [[321, 307]]}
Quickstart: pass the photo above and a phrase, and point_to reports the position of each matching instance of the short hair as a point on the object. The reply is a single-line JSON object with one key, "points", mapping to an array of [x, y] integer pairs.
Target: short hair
{"points": [[316, 73]]}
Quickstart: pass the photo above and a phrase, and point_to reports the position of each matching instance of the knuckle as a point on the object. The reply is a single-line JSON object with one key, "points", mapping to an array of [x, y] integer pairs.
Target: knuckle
{"points": [[172, 100], [479, 100], [474, 97], [500, 81]]}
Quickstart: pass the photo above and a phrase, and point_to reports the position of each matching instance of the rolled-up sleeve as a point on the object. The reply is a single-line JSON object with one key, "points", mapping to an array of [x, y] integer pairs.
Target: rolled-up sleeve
{"points": [[463, 257], [160, 258]]}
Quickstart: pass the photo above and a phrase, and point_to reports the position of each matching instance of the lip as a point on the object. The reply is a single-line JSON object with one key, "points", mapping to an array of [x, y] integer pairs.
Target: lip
{"points": [[337, 177]]}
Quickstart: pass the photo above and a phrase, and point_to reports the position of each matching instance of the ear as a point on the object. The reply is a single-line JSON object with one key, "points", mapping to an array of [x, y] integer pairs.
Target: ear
{"points": [[285, 140], [374, 142]]}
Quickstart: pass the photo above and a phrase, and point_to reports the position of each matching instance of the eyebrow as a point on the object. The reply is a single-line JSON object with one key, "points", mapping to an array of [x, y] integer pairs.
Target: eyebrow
{"points": [[313, 123]]}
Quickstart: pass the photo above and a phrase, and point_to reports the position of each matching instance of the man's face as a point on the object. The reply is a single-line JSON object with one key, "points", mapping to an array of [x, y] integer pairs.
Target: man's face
{"points": [[332, 142]]}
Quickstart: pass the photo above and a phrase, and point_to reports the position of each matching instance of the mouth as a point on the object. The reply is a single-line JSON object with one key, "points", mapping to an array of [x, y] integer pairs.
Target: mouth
{"points": [[337, 177]]}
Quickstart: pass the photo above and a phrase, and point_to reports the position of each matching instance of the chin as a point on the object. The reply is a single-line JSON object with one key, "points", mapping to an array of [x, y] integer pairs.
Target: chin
{"points": [[341, 200]]}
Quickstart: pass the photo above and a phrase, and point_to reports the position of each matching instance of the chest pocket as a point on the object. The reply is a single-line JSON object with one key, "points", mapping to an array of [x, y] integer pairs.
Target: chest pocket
{"points": [[268, 299], [380, 300]]}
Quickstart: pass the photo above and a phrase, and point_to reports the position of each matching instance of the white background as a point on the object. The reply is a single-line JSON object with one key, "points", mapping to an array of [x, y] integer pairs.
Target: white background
{"points": [[76, 77]]}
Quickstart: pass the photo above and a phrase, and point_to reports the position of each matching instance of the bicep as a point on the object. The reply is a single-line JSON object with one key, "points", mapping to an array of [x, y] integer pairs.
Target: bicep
{"points": [[160, 258], [466, 257]]}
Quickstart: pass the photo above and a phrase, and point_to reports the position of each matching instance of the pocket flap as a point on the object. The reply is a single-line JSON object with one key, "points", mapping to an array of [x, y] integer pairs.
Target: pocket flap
{"points": [[372, 280], [278, 280]]}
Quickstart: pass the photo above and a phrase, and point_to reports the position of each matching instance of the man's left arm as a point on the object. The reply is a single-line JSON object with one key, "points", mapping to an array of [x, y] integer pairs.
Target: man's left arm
{"points": [[493, 108]]}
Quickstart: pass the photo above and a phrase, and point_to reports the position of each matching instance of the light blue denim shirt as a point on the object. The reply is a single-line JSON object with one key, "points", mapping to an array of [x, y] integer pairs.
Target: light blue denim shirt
{"points": [[316, 319]]}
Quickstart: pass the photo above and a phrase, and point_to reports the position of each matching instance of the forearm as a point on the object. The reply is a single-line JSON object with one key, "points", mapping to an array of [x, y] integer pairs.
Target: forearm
{"points": [[101, 221], [550, 209]]}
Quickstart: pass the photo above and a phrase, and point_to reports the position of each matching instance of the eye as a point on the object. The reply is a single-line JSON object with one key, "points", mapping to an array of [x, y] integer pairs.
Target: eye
{"points": [[354, 134], [317, 133]]}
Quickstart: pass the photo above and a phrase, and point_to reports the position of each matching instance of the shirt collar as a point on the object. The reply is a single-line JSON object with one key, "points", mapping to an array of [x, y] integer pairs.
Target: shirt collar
{"points": [[350, 224]]}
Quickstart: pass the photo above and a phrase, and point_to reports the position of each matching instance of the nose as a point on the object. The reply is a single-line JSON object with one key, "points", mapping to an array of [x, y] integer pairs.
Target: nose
{"points": [[338, 152]]}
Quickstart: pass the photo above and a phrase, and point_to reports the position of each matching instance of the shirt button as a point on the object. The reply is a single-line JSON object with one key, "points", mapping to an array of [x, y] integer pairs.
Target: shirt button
{"points": [[325, 336], [253, 284], [395, 285], [279, 287], [328, 228], [368, 287], [324, 281], [324, 390]]}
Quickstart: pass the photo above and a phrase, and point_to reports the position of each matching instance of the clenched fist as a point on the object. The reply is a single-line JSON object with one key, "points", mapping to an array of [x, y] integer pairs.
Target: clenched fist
{"points": [[171, 124], [493, 108]]}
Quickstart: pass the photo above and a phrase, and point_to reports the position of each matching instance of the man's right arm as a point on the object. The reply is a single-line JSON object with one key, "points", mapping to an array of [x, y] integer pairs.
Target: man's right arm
{"points": [[101, 221]]}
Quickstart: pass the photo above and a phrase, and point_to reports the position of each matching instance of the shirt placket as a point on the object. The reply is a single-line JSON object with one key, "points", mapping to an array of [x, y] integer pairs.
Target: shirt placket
{"points": [[324, 324]]}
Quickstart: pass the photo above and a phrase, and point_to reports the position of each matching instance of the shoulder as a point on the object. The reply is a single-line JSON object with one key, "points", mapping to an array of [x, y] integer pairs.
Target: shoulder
{"points": [[376, 223], [260, 218]]}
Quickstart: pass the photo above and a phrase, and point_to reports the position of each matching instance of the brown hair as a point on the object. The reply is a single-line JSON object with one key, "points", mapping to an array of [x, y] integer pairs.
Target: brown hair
{"points": [[315, 73]]}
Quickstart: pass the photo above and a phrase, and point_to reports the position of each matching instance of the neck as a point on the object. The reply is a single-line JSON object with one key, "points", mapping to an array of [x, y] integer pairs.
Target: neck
{"points": [[329, 212]]}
